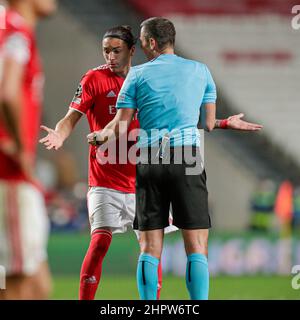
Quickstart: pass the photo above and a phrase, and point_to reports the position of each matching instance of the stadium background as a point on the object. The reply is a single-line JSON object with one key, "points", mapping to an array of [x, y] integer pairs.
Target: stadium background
{"points": [[254, 55]]}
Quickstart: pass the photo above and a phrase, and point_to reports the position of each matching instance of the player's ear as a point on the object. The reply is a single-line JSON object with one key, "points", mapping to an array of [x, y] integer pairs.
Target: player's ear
{"points": [[132, 51], [102, 51]]}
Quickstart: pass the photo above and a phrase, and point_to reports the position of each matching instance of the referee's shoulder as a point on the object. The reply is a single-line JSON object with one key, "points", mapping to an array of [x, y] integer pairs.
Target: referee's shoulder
{"points": [[138, 69], [200, 66], [140, 66], [194, 62]]}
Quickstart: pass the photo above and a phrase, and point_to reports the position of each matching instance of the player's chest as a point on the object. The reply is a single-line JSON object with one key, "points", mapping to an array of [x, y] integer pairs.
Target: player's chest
{"points": [[105, 102]]}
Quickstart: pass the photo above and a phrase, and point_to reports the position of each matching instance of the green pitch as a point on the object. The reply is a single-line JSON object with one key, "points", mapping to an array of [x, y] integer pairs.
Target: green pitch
{"points": [[66, 252], [124, 288]]}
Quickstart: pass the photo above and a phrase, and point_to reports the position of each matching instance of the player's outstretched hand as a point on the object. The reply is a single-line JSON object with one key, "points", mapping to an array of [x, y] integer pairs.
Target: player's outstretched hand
{"points": [[236, 123], [53, 140]]}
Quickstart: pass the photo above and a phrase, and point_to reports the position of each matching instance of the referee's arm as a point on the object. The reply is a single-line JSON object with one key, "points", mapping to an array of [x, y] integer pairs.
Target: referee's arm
{"points": [[114, 129], [207, 117], [208, 120]]}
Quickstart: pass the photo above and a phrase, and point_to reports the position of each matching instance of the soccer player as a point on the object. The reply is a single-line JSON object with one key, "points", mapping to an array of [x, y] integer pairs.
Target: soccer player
{"points": [[167, 92], [111, 196], [23, 218]]}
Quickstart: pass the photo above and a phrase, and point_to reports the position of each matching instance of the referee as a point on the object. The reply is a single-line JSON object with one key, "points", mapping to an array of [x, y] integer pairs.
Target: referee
{"points": [[168, 92]]}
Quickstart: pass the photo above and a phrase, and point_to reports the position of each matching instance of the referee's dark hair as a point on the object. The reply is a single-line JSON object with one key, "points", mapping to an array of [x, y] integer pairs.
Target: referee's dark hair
{"points": [[160, 29], [122, 32]]}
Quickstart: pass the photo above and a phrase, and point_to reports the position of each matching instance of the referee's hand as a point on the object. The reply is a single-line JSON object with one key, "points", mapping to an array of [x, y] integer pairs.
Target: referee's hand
{"points": [[236, 123]]}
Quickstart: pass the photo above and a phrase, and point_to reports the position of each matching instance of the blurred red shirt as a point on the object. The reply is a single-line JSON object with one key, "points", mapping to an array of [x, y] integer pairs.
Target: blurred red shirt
{"points": [[17, 41]]}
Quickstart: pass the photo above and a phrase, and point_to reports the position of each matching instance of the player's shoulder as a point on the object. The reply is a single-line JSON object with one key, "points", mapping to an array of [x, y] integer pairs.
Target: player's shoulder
{"points": [[97, 73], [15, 24], [17, 38], [103, 68]]}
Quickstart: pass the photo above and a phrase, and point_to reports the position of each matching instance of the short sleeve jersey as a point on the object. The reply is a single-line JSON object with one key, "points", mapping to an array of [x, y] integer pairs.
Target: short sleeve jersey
{"points": [[96, 97], [168, 93], [17, 41]]}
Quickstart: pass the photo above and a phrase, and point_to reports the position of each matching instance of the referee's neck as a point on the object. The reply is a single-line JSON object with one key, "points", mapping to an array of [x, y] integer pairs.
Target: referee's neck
{"points": [[167, 50]]}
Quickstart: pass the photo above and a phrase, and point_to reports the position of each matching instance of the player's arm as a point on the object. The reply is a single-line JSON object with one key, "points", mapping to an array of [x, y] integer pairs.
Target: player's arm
{"points": [[81, 103], [15, 58], [114, 129], [55, 138], [11, 95]]}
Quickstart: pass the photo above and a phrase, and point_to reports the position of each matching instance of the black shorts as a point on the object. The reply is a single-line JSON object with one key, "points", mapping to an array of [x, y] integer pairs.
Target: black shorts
{"points": [[158, 185]]}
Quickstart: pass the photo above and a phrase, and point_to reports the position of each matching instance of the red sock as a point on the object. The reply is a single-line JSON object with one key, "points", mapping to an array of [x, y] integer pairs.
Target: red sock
{"points": [[91, 268], [159, 274]]}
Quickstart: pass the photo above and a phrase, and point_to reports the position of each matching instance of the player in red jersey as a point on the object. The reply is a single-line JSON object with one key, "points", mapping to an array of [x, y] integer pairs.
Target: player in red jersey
{"points": [[23, 219], [111, 197]]}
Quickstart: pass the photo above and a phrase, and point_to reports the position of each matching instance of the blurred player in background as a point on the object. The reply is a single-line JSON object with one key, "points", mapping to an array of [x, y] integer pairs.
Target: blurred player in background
{"points": [[111, 197], [23, 218]]}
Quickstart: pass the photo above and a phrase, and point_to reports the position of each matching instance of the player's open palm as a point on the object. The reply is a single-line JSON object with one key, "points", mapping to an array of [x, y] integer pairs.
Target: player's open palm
{"points": [[53, 140], [235, 122]]}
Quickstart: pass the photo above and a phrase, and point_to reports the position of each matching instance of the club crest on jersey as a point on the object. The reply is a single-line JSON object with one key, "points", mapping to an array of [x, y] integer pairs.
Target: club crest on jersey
{"points": [[111, 94]]}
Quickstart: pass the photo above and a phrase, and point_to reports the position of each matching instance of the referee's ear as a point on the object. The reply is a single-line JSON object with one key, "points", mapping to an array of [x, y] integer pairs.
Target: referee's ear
{"points": [[153, 44]]}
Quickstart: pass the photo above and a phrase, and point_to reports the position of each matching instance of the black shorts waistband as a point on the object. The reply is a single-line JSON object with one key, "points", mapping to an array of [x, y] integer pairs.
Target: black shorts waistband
{"points": [[177, 155]]}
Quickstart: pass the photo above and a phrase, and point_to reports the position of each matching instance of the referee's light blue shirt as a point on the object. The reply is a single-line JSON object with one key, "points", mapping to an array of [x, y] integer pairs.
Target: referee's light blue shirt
{"points": [[168, 92]]}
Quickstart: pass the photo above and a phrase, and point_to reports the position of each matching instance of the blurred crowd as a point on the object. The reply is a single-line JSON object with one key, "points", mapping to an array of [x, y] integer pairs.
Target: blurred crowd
{"points": [[64, 192], [274, 204]]}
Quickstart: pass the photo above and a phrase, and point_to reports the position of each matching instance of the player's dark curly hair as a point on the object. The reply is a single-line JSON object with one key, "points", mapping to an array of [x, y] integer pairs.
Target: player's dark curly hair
{"points": [[160, 29], [122, 32]]}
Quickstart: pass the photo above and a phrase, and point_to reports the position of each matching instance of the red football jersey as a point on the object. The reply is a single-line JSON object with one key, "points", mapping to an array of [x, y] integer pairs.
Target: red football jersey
{"points": [[96, 97], [17, 41]]}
